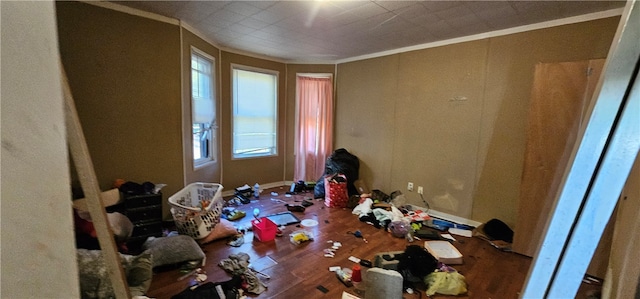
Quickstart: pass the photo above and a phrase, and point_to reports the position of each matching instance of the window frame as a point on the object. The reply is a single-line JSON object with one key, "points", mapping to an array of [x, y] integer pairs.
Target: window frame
{"points": [[212, 127], [276, 75]]}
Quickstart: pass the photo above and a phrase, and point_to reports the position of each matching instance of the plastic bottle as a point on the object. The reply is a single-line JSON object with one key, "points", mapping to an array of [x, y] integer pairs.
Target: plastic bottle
{"points": [[256, 190], [356, 280]]}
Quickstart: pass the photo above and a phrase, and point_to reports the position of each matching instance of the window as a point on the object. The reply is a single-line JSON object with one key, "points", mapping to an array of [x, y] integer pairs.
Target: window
{"points": [[203, 108], [255, 118]]}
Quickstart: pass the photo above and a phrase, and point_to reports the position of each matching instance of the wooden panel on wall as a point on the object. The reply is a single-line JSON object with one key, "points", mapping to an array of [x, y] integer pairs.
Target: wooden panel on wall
{"points": [[510, 65], [555, 114], [561, 92]]}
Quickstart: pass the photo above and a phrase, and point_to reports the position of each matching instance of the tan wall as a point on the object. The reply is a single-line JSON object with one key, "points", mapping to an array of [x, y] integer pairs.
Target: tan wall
{"points": [[510, 65], [396, 114], [210, 172], [124, 73], [292, 71], [365, 116]]}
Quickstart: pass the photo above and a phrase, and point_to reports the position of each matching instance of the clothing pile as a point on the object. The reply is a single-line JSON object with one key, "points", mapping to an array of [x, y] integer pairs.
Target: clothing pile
{"points": [[238, 265]]}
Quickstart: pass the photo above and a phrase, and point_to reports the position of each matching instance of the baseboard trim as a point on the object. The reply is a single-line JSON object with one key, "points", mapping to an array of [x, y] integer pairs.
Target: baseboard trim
{"points": [[431, 212], [449, 217], [231, 191]]}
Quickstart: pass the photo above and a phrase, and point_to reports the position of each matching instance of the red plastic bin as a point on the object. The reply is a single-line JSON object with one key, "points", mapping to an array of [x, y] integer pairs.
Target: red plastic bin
{"points": [[264, 230]]}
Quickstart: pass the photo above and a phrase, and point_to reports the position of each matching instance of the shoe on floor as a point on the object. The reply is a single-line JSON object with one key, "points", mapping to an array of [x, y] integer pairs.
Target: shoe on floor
{"points": [[294, 208]]}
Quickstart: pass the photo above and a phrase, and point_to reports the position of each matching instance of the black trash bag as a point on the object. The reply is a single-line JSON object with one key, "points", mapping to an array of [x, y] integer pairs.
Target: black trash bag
{"points": [[498, 230], [415, 263], [208, 290], [340, 161]]}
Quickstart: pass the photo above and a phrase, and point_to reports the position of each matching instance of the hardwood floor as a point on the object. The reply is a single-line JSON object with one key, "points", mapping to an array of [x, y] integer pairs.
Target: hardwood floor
{"points": [[297, 270]]}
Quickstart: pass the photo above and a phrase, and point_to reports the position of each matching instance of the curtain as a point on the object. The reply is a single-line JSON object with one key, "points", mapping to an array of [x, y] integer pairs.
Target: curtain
{"points": [[314, 133]]}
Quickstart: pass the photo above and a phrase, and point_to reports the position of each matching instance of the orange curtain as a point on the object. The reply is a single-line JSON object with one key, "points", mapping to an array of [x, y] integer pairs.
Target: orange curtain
{"points": [[314, 134]]}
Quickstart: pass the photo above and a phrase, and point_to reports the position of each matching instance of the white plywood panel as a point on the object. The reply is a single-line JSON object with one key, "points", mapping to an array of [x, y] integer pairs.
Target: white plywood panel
{"points": [[37, 234]]}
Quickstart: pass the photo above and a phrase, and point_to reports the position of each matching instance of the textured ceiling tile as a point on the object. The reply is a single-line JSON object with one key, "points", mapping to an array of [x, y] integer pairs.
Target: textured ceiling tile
{"points": [[337, 30], [254, 23], [454, 12], [505, 12], [435, 6], [226, 16], [414, 11], [240, 29], [463, 21], [368, 10], [394, 5], [242, 8]]}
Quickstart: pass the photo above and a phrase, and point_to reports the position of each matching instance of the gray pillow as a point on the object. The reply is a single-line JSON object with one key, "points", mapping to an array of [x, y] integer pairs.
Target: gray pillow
{"points": [[173, 250], [94, 277]]}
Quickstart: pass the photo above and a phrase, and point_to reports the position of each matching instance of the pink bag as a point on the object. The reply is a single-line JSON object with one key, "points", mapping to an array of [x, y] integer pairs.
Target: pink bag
{"points": [[335, 191]]}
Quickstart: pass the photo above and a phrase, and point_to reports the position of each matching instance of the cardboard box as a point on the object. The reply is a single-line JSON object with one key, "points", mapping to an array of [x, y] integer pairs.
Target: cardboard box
{"points": [[444, 252]]}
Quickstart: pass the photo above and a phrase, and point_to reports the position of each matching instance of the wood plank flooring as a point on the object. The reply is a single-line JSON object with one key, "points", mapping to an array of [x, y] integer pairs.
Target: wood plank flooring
{"points": [[297, 270]]}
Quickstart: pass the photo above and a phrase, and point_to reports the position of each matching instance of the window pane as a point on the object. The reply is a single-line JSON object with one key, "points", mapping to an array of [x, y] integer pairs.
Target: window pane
{"points": [[254, 113]]}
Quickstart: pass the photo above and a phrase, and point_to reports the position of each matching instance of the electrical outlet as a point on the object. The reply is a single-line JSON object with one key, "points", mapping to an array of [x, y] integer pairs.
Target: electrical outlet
{"points": [[420, 190], [410, 186]]}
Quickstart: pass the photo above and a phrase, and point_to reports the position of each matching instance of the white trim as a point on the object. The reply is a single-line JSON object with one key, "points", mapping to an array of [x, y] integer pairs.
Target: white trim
{"points": [[309, 62], [448, 217], [185, 145], [275, 73], [254, 55], [226, 49], [203, 54], [433, 213], [453, 218], [508, 31], [197, 33], [542, 25], [232, 191], [254, 69], [204, 162], [219, 113], [132, 11], [185, 25], [286, 119], [315, 75]]}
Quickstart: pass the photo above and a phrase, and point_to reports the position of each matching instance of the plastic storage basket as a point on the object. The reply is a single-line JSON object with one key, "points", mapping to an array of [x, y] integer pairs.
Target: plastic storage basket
{"points": [[264, 230], [197, 208]]}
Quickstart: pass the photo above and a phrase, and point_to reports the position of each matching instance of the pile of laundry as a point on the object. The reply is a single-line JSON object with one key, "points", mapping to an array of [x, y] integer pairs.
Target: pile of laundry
{"points": [[389, 212]]}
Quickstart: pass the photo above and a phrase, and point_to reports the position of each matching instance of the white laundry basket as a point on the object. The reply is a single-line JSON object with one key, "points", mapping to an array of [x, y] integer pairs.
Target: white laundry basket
{"points": [[197, 208]]}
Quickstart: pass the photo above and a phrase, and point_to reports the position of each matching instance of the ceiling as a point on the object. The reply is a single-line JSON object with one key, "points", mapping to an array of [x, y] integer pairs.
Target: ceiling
{"points": [[331, 31]]}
